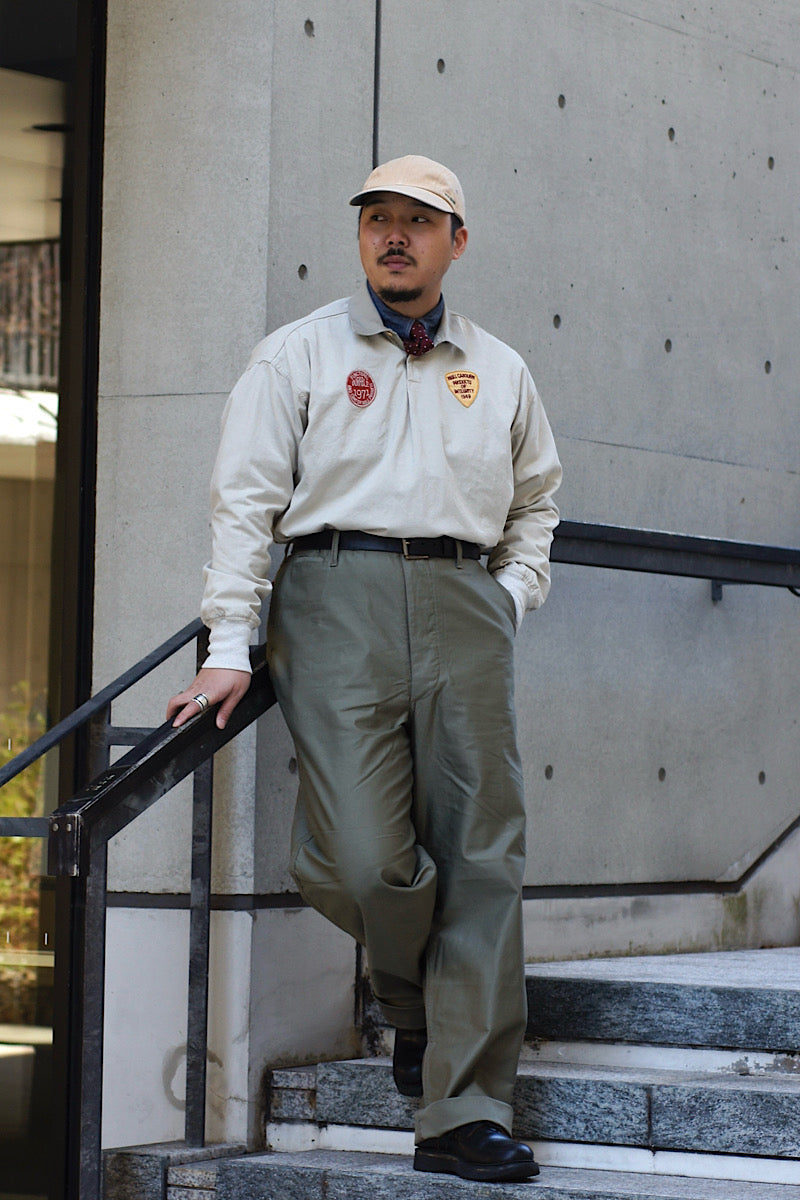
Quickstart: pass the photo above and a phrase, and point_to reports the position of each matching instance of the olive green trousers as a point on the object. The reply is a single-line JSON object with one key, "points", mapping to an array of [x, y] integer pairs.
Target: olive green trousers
{"points": [[395, 677]]}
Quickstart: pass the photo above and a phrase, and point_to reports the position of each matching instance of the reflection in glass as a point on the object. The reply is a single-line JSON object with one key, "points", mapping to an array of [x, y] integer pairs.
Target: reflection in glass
{"points": [[29, 319], [37, 74]]}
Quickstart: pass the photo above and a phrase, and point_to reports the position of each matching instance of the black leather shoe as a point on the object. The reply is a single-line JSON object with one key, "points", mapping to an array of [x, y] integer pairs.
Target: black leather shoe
{"points": [[480, 1150], [409, 1049]]}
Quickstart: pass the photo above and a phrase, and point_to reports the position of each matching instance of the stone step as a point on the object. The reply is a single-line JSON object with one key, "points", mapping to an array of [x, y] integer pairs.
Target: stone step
{"points": [[198, 1182], [742, 1000], [695, 1060], [660, 1078], [339, 1175], [141, 1172], [664, 1110]]}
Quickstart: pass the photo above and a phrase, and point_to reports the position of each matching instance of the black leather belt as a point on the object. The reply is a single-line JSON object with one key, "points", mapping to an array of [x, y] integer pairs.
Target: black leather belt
{"points": [[418, 547]]}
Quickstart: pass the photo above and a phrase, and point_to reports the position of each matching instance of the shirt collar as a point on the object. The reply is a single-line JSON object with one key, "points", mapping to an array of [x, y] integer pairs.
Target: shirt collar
{"points": [[367, 321], [402, 325]]}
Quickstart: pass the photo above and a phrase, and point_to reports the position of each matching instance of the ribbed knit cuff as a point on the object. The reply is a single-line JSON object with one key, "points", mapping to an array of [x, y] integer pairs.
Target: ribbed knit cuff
{"points": [[513, 580], [229, 646]]}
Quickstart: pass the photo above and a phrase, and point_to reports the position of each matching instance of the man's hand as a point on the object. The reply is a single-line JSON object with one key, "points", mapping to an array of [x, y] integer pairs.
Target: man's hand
{"points": [[217, 684]]}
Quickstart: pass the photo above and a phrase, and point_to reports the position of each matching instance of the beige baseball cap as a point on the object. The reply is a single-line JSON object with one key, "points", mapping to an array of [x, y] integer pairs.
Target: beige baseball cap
{"points": [[419, 177]]}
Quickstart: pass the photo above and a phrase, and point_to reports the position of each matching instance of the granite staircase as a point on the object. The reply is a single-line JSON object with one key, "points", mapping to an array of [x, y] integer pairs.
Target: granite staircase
{"points": [[660, 1078]]}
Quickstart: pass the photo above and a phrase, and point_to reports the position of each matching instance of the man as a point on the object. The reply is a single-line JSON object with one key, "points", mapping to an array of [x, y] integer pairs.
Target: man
{"points": [[392, 442]]}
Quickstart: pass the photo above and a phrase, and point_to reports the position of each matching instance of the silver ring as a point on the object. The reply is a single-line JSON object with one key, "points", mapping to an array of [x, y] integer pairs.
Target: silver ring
{"points": [[202, 700]]}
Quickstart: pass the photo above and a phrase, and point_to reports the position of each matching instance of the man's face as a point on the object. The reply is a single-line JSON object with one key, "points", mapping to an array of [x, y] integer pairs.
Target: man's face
{"points": [[406, 248]]}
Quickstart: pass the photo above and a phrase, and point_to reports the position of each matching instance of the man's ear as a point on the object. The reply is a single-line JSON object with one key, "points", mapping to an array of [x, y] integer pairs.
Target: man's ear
{"points": [[460, 242]]}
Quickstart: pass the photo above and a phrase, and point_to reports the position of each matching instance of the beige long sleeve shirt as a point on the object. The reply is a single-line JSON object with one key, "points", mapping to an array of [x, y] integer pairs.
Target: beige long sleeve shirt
{"points": [[334, 426]]}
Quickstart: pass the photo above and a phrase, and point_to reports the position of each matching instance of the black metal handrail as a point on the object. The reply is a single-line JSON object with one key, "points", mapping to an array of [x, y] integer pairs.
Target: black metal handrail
{"points": [[80, 829], [662, 553], [100, 702], [79, 832], [152, 768]]}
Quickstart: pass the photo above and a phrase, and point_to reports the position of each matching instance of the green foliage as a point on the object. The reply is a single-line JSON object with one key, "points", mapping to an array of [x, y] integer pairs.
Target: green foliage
{"points": [[20, 724]]}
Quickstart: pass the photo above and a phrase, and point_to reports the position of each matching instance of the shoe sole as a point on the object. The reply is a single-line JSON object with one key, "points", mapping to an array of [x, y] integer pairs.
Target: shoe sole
{"points": [[448, 1164], [406, 1089]]}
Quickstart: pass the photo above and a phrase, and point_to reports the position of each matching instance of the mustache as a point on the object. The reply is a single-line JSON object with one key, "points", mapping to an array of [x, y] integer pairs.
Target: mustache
{"points": [[397, 254]]}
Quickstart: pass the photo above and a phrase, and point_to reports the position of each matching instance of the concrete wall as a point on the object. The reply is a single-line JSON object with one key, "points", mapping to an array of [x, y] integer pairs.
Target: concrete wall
{"points": [[189, 263], [632, 181]]}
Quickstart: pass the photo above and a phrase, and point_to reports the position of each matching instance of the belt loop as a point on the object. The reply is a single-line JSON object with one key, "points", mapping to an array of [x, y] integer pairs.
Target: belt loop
{"points": [[459, 554], [334, 549]]}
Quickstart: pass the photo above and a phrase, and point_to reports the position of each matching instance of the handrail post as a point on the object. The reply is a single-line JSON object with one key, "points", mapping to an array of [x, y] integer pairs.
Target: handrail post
{"points": [[98, 749], [79, 980], [199, 939]]}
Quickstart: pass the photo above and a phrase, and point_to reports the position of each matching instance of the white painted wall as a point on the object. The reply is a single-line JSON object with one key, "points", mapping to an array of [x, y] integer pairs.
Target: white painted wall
{"points": [[264, 968], [630, 169]]}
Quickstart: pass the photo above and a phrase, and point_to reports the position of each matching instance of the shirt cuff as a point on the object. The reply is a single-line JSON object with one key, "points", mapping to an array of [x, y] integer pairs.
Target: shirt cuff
{"points": [[513, 577], [229, 646]]}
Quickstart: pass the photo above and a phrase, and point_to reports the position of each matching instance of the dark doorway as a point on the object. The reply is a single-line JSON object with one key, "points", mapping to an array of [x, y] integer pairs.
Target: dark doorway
{"points": [[51, 71]]}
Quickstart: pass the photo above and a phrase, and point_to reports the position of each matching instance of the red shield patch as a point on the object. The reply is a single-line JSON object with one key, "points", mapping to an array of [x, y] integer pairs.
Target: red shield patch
{"points": [[360, 388]]}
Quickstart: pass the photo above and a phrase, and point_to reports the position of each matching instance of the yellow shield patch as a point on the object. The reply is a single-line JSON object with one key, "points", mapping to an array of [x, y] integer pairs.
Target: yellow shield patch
{"points": [[464, 386]]}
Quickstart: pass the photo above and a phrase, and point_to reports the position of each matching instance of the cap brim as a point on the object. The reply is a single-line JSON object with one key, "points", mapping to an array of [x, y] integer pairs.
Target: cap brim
{"points": [[416, 193]]}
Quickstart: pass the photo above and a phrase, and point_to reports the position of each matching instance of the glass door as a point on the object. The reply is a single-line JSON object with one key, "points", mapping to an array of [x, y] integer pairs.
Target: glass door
{"points": [[37, 57]]}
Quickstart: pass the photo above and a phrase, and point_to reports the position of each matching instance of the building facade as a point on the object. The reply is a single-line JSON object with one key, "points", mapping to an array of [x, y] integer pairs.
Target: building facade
{"points": [[631, 175]]}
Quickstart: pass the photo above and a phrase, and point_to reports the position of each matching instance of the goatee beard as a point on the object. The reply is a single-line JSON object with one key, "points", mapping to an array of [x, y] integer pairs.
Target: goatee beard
{"points": [[398, 295]]}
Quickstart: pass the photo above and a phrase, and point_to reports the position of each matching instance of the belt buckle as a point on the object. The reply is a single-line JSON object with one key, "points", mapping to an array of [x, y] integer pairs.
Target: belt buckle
{"points": [[411, 557]]}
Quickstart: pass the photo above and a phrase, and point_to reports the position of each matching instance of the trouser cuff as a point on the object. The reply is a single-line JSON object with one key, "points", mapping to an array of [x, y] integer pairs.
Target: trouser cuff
{"points": [[403, 1018], [444, 1115]]}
